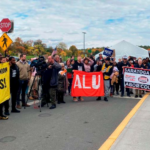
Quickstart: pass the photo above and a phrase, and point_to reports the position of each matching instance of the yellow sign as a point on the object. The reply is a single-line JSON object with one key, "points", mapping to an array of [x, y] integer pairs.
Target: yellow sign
{"points": [[4, 82], [5, 41]]}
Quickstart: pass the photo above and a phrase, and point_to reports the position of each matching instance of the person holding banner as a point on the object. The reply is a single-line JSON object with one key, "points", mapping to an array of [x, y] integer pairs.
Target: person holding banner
{"points": [[138, 93], [4, 88], [123, 64], [80, 67], [107, 71], [87, 62], [69, 74], [6, 103]]}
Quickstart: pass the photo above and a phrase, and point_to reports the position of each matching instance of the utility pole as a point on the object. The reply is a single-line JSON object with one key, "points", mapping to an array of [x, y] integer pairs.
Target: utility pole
{"points": [[84, 42]]}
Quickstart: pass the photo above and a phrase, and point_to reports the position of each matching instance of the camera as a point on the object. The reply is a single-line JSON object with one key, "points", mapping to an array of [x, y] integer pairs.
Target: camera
{"points": [[39, 64]]}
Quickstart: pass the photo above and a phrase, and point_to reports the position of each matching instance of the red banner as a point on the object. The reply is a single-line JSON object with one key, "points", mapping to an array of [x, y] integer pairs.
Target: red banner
{"points": [[87, 84]]}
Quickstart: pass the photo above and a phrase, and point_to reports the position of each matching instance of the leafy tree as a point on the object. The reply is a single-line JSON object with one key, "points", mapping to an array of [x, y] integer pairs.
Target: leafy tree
{"points": [[63, 53], [62, 46], [69, 53], [74, 50]]}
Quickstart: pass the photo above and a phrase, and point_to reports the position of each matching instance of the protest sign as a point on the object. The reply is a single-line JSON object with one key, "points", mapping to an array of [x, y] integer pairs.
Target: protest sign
{"points": [[87, 84], [137, 78], [4, 82], [108, 52]]}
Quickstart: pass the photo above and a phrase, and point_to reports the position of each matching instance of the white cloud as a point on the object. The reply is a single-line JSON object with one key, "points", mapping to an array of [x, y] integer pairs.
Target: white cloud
{"points": [[56, 20]]}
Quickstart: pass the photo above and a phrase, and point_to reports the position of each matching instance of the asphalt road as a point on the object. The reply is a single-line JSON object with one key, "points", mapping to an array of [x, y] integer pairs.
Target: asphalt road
{"points": [[72, 126]]}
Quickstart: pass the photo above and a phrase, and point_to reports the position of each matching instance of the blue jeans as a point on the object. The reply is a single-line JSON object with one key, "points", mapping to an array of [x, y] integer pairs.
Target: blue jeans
{"points": [[22, 89]]}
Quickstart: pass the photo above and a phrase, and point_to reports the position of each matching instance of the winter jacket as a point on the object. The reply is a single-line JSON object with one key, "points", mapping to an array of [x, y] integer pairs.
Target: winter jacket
{"points": [[14, 76], [78, 66], [62, 83], [56, 67]]}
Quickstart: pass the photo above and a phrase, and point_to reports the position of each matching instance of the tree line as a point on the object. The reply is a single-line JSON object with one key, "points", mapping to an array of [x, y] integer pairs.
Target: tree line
{"points": [[36, 48]]}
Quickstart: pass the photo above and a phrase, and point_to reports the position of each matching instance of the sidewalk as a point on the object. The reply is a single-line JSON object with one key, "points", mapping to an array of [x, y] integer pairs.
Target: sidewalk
{"points": [[136, 135]]}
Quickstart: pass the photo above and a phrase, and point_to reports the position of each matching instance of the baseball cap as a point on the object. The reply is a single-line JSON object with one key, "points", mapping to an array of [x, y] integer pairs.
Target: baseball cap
{"points": [[125, 57]]}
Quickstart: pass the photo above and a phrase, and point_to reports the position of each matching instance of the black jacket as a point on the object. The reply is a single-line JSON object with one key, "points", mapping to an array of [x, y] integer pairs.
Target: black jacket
{"points": [[54, 78], [137, 66], [14, 77], [120, 65], [77, 66], [99, 68]]}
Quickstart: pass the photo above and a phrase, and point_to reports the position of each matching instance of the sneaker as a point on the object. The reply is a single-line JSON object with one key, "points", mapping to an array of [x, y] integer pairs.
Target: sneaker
{"points": [[75, 99], [4, 117], [98, 99], [63, 102], [128, 95], [7, 113], [105, 99], [81, 99], [18, 106], [136, 96], [53, 106], [140, 96]]}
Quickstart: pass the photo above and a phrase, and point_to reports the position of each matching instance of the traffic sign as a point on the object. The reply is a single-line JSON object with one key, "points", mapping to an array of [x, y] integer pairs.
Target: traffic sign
{"points": [[5, 41], [5, 25]]}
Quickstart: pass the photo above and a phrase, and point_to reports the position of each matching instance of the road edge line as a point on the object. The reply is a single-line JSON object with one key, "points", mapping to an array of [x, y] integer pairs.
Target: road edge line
{"points": [[113, 137]]}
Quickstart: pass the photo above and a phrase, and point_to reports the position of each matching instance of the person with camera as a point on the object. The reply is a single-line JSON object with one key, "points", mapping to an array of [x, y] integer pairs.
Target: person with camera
{"points": [[80, 67], [56, 67], [6, 103], [24, 71]]}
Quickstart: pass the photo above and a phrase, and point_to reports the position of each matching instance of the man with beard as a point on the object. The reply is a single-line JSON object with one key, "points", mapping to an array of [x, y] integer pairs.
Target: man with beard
{"points": [[14, 83]]}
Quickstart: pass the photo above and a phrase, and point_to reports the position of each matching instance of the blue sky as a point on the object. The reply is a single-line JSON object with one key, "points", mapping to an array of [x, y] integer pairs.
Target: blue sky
{"points": [[106, 22]]}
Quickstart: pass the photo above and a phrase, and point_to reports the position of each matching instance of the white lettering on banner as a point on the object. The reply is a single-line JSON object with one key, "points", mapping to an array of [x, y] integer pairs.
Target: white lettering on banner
{"points": [[94, 82], [108, 52], [136, 71], [84, 87], [94, 85], [77, 82]]}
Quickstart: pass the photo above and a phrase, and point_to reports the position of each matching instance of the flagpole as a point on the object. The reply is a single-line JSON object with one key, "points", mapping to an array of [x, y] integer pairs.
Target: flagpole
{"points": [[84, 42]]}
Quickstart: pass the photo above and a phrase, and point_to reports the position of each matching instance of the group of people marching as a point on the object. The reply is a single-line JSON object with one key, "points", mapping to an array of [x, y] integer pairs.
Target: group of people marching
{"points": [[56, 79]]}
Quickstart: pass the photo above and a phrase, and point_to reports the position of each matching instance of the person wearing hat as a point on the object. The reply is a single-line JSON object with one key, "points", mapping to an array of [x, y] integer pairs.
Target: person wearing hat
{"points": [[123, 64], [107, 70]]}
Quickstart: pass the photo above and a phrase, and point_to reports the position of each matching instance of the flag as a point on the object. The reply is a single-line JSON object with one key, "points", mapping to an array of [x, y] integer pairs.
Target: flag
{"points": [[108, 52], [54, 51]]}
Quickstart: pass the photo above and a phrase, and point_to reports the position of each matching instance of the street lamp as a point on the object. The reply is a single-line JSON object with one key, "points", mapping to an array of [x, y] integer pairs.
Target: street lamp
{"points": [[84, 42]]}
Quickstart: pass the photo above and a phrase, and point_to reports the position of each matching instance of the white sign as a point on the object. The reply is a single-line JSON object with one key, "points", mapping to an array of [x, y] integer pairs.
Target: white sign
{"points": [[137, 78]]}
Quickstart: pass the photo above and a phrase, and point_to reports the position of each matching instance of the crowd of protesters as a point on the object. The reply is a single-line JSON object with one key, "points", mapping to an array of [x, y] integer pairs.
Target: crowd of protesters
{"points": [[57, 79]]}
